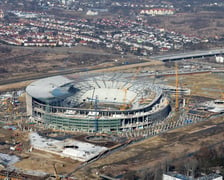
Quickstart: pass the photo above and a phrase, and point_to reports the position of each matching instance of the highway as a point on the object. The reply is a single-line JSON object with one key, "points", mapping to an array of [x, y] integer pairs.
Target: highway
{"points": [[164, 58], [188, 55]]}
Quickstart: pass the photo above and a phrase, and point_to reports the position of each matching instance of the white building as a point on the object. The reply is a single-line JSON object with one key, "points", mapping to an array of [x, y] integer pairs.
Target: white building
{"points": [[91, 13], [176, 176], [219, 59], [157, 11]]}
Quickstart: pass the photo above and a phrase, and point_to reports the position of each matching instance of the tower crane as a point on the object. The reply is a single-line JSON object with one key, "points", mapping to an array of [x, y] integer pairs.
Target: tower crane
{"points": [[95, 112], [125, 89], [92, 98], [124, 105], [96, 115], [221, 93], [177, 88], [136, 73]]}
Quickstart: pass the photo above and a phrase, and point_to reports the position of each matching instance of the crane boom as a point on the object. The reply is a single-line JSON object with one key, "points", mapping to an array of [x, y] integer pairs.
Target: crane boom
{"points": [[177, 88], [96, 115], [125, 104]]}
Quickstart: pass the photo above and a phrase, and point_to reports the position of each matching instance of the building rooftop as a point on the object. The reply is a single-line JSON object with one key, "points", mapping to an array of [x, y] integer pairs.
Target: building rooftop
{"points": [[50, 87], [177, 176], [81, 151]]}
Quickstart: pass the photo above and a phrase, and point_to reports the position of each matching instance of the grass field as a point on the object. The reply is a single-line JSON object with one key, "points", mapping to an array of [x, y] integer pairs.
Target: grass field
{"points": [[205, 84]]}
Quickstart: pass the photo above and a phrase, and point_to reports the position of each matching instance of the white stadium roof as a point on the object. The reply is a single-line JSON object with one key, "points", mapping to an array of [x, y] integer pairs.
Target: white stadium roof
{"points": [[106, 88], [45, 88]]}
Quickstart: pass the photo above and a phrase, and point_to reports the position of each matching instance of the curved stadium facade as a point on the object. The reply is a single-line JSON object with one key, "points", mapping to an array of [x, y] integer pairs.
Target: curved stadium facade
{"points": [[109, 102]]}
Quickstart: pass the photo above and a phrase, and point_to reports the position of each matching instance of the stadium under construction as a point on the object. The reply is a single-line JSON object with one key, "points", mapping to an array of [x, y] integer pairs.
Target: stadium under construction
{"points": [[96, 103]]}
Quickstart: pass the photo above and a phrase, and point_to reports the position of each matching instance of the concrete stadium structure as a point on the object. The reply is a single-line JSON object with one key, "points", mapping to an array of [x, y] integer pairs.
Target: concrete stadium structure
{"points": [[108, 102]]}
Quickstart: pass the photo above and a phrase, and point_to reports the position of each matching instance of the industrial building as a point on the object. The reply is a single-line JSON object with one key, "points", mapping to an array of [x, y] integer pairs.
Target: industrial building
{"points": [[96, 103]]}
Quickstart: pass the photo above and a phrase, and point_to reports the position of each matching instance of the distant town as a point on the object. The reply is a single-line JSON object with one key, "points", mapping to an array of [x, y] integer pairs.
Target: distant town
{"points": [[118, 33]]}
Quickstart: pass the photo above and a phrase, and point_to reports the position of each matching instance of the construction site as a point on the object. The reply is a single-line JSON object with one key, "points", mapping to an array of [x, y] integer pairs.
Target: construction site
{"points": [[98, 104], [93, 125]]}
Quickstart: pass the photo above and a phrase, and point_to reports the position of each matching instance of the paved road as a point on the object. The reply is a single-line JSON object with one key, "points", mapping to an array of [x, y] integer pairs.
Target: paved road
{"points": [[75, 70], [180, 56], [189, 55]]}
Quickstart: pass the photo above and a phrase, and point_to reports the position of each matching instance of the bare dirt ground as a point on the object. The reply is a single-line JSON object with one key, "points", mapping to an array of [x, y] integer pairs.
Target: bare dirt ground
{"points": [[176, 143], [37, 160], [156, 150], [40, 160], [14, 86], [206, 84], [24, 62], [102, 67]]}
